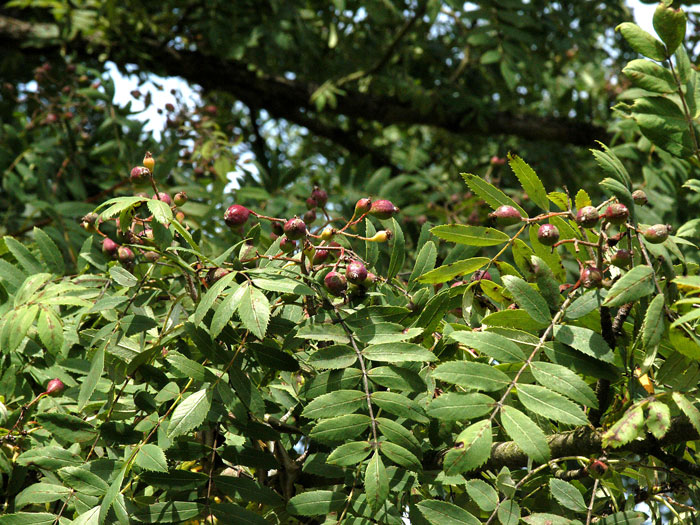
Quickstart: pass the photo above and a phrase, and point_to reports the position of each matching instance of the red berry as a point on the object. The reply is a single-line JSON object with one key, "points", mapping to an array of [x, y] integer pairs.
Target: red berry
{"points": [[310, 217], [548, 234], [481, 275], [295, 228], [109, 247], [640, 197], [139, 173], [311, 203], [587, 217], [215, 274], [356, 272], [371, 279], [236, 215], [320, 256], [151, 256], [498, 161], [383, 209], [55, 387], [320, 196], [621, 258], [363, 206], [597, 469], [591, 277], [125, 254], [617, 213], [287, 245], [335, 283], [657, 233], [506, 215], [277, 228], [164, 197]]}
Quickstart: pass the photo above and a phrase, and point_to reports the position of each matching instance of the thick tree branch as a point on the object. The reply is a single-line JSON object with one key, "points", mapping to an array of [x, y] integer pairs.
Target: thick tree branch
{"points": [[291, 99]]}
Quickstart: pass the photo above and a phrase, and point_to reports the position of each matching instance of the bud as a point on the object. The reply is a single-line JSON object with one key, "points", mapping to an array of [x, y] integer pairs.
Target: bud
{"points": [[640, 197], [657, 233], [363, 206], [356, 272], [591, 277], [506, 216], [180, 198], [295, 228], [383, 209], [320, 196], [236, 215], [335, 283], [55, 387], [587, 217], [149, 162], [548, 234], [617, 213]]}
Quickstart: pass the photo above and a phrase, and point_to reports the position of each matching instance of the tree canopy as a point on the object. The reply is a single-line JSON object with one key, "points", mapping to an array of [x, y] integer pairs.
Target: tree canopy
{"points": [[455, 280]]}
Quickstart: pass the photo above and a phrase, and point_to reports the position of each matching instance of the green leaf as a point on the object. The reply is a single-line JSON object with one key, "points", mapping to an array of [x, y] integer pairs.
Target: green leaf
{"points": [[509, 513], [335, 404], [669, 23], [246, 490], [401, 456], [398, 352], [471, 450], [526, 434], [118, 204], [335, 356], [611, 164], [654, 323], [650, 76], [378, 333], [659, 419], [584, 340], [399, 405], [470, 235], [151, 457], [123, 277], [340, 428], [443, 513], [663, 122], [425, 261], [190, 413], [30, 518], [83, 480], [398, 250], [66, 427], [633, 285], [350, 454], [376, 482], [254, 311], [530, 182], [160, 210], [189, 368], [629, 427], [449, 271], [226, 309], [490, 344], [454, 406], [585, 304], [176, 479], [49, 252], [112, 494], [642, 42], [169, 512], [279, 283], [629, 517], [24, 257], [50, 330], [543, 518], [688, 408], [551, 405], [562, 380], [483, 494], [41, 493], [491, 195], [470, 375], [518, 319], [397, 378], [397, 433], [316, 503], [567, 495], [90, 382], [232, 513], [528, 299], [49, 458]]}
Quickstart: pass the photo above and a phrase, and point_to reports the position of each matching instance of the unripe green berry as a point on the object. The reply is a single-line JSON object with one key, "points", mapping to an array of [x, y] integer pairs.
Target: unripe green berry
{"points": [[180, 198], [287, 245], [657, 233]]}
